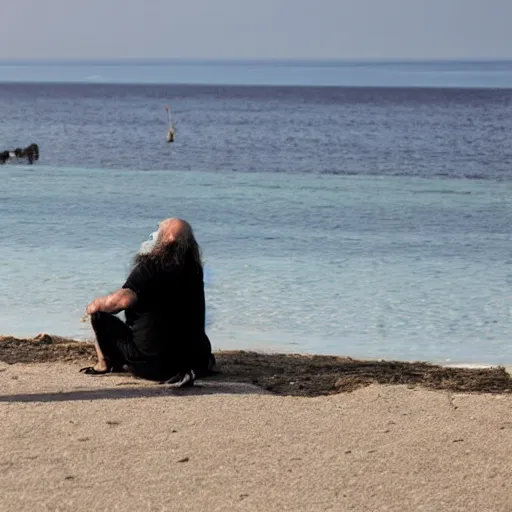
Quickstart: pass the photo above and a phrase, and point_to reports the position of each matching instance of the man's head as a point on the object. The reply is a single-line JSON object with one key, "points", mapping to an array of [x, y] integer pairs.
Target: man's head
{"points": [[170, 230], [175, 246]]}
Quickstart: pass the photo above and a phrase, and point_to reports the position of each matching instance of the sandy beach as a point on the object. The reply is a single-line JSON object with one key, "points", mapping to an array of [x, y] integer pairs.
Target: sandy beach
{"points": [[74, 442]]}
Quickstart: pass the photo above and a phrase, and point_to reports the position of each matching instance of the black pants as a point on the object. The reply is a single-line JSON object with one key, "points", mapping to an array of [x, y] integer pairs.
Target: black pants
{"points": [[115, 339]]}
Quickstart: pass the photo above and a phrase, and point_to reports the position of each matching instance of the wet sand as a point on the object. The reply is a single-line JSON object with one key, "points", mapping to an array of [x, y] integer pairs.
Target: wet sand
{"points": [[342, 435]]}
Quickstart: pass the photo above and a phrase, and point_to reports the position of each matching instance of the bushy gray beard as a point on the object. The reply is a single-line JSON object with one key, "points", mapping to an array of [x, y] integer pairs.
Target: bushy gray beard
{"points": [[147, 246]]}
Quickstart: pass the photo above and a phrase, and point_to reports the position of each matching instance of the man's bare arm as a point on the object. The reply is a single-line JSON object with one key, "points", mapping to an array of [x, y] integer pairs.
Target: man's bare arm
{"points": [[113, 303]]}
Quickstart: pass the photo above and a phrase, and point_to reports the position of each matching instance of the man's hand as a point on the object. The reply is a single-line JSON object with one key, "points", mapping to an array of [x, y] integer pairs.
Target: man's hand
{"points": [[94, 306], [113, 303]]}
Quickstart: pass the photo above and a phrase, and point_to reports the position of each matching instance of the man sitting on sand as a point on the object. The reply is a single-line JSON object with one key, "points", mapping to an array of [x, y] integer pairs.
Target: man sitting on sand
{"points": [[163, 300]]}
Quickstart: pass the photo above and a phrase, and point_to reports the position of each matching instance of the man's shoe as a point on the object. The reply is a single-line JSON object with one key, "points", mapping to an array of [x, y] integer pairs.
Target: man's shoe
{"points": [[181, 380]]}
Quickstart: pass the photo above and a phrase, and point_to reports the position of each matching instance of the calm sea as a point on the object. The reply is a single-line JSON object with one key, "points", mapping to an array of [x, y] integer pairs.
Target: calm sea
{"points": [[369, 218]]}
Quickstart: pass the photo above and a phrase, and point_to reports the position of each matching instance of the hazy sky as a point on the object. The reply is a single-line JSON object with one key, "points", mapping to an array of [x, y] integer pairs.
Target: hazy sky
{"points": [[256, 29]]}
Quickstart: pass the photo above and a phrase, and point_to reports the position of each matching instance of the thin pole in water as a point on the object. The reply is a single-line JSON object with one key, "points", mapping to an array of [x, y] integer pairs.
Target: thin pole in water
{"points": [[168, 116], [170, 133]]}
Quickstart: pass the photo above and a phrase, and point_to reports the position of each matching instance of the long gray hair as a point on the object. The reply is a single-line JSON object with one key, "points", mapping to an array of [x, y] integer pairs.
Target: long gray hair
{"points": [[183, 251]]}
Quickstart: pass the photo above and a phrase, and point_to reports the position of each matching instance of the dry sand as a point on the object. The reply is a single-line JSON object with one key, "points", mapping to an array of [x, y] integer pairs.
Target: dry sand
{"points": [[74, 442]]}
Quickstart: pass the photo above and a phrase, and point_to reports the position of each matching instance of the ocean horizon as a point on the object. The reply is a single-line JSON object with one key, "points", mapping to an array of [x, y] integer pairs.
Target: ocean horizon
{"points": [[458, 73]]}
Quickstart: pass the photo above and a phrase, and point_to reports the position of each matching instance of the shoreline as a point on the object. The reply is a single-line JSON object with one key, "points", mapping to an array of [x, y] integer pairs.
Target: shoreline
{"points": [[288, 373], [275, 347]]}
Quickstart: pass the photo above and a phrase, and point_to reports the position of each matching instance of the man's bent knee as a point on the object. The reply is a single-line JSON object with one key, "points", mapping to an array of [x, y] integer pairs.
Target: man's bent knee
{"points": [[102, 321], [98, 317]]}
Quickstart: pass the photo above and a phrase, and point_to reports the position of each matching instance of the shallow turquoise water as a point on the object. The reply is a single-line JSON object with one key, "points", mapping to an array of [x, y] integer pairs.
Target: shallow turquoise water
{"points": [[391, 267]]}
